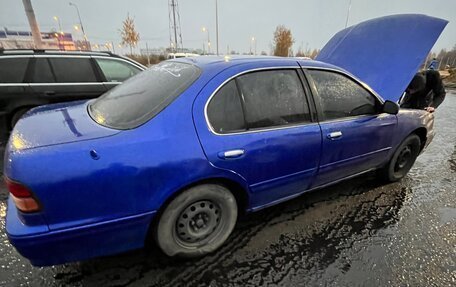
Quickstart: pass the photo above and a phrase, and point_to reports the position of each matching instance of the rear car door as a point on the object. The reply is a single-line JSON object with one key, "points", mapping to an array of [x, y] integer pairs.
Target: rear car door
{"points": [[258, 125], [65, 78], [356, 135]]}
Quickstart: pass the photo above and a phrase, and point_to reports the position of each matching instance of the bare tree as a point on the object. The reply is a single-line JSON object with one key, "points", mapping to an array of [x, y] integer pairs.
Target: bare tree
{"points": [[283, 40], [129, 35], [300, 53], [314, 53]]}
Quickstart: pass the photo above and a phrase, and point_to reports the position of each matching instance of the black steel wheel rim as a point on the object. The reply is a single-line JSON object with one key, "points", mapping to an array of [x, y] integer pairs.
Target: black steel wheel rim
{"points": [[198, 223], [403, 159]]}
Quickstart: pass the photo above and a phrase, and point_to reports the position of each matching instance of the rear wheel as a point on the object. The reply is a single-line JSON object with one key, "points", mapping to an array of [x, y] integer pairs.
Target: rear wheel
{"points": [[198, 221], [403, 159]]}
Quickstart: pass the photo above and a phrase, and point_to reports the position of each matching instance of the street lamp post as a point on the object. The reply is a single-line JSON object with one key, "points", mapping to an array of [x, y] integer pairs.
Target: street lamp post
{"points": [[60, 34], [216, 26], [204, 29], [348, 13], [57, 19], [253, 40], [80, 21], [36, 34]]}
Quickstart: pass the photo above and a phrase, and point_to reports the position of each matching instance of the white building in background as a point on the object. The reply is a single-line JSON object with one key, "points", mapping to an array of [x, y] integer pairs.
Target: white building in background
{"points": [[181, 55], [168, 54], [153, 51], [10, 39]]}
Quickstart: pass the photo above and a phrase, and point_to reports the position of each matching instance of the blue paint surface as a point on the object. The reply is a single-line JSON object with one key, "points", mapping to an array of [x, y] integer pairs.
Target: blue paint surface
{"points": [[100, 188]]}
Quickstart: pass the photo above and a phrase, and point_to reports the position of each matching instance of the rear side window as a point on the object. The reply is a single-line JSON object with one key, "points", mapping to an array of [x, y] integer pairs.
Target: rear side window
{"points": [[12, 70], [143, 96], [115, 70], [73, 70], [42, 72], [342, 97], [225, 110], [273, 98]]}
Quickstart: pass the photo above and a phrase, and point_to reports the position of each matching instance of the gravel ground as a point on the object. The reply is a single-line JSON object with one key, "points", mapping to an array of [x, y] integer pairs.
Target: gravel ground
{"points": [[356, 233]]}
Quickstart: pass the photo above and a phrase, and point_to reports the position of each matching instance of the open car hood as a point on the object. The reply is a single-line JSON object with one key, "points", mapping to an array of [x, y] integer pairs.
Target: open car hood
{"points": [[385, 53]]}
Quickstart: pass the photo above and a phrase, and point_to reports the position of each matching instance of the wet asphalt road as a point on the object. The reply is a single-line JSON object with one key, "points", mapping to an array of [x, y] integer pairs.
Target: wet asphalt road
{"points": [[357, 233]]}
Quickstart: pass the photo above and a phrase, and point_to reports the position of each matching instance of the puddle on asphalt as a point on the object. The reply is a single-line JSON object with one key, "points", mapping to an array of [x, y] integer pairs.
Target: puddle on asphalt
{"points": [[302, 235], [447, 215]]}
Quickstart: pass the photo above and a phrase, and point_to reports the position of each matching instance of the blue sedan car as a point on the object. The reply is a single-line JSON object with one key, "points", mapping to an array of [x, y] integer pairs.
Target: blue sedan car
{"points": [[177, 152]]}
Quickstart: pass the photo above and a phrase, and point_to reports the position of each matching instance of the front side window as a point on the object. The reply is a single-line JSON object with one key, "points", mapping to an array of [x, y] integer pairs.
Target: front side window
{"points": [[115, 70], [341, 97], [143, 96], [12, 70], [273, 98], [225, 110], [73, 70]]}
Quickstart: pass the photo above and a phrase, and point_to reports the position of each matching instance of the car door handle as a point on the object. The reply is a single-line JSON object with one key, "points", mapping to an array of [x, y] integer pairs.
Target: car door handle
{"points": [[231, 153], [49, 93], [334, 135]]}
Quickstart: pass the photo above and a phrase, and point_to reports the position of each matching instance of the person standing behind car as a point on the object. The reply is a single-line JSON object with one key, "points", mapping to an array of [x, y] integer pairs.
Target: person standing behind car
{"points": [[425, 91], [433, 65]]}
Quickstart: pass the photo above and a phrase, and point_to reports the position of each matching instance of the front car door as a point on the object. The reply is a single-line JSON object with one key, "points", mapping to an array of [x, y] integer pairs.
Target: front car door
{"points": [[258, 125], [356, 135]]}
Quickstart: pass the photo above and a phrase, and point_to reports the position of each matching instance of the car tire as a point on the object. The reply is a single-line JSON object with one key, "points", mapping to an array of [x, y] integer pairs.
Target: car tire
{"points": [[17, 116], [197, 222], [403, 159]]}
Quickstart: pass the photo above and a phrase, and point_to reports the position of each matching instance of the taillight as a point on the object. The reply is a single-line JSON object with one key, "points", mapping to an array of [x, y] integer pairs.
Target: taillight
{"points": [[17, 189], [22, 197]]}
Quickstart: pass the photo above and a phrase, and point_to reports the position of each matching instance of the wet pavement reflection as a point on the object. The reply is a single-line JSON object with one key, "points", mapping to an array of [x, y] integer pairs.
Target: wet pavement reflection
{"points": [[356, 233]]}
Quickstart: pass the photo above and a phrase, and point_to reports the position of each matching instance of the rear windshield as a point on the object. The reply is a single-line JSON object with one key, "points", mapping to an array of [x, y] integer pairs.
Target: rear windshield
{"points": [[143, 96]]}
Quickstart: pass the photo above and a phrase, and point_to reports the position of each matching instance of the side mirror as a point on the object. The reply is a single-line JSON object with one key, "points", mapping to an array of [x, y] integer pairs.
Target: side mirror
{"points": [[390, 107]]}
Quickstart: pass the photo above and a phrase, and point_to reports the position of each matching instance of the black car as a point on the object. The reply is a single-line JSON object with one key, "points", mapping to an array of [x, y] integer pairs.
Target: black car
{"points": [[30, 78]]}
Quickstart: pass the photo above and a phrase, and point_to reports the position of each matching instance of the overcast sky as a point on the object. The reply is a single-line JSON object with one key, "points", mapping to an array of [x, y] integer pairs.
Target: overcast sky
{"points": [[312, 22]]}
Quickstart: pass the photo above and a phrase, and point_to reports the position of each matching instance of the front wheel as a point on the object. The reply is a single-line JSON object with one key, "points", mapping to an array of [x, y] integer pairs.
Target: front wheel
{"points": [[198, 221], [403, 159]]}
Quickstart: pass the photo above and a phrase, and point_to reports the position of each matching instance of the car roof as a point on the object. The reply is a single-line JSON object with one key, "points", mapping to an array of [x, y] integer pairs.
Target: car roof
{"points": [[31, 52], [219, 63], [53, 52]]}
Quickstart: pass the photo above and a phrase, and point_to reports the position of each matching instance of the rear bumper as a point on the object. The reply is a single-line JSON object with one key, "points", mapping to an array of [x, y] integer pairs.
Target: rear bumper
{"points": [[78, 243]]}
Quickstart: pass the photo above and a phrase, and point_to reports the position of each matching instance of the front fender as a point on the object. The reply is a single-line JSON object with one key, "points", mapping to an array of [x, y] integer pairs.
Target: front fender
{"points": [[413, 120]]}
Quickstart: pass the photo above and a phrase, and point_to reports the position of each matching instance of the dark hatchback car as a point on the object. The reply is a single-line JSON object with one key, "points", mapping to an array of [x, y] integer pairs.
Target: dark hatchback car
{"points": [[30, 78]]}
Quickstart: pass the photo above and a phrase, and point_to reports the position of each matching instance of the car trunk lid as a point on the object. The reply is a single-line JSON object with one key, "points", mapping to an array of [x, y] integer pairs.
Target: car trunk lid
{"points": [[56, 124]]}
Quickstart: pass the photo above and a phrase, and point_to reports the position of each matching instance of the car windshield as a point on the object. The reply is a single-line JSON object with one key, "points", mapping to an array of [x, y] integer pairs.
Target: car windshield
{"points": [[143, 96]]}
